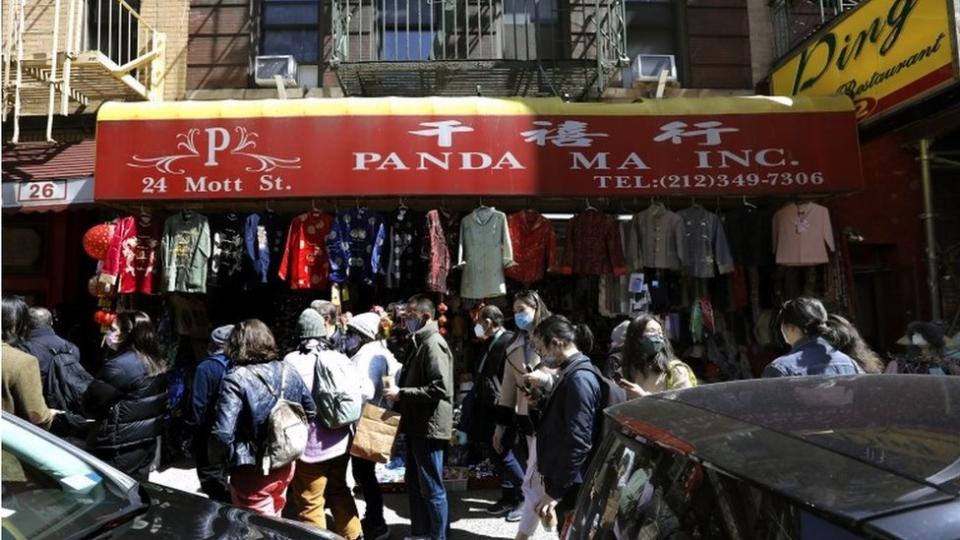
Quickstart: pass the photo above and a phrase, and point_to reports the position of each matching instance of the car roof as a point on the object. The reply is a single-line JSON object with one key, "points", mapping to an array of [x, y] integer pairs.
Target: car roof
{"points": [[858, 446]]}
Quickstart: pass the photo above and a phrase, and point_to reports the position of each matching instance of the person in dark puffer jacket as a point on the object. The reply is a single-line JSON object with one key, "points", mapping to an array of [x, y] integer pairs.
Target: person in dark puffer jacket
{"points": [[239, 434], [128, 397]]}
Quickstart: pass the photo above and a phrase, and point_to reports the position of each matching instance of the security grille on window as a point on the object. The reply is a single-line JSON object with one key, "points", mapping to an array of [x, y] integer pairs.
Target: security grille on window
{"points": [[293, 27]]}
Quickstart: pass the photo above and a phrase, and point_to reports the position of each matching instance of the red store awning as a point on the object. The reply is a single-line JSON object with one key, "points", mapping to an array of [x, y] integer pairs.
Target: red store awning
{"points": [[358, 147]]}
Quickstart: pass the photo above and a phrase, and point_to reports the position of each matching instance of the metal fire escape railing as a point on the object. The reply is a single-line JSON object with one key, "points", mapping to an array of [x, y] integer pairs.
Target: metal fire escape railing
{"points": [[794, 20], [498, 41], [63, 55]]}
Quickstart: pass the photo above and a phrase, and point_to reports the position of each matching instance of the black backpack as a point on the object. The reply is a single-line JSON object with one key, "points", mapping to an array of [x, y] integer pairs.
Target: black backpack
{"points": [[67, 380], [610, 394]]}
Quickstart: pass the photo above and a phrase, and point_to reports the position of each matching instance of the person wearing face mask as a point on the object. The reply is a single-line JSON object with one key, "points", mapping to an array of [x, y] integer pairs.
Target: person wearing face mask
{"points": [[514, 407], [571, 422], [373, 362], [649, 365], [489, 376], [319, 481], [806, 328], [128, 397], [425, 399], [925, 342]]}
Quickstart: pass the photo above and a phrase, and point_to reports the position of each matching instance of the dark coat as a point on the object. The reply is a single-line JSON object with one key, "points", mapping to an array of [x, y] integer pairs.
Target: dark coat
{"points": [[812, 356], [426, 391], [238, 436], [206, 389], [45, 344], [127, 403], [490, 370], [570, 428]]}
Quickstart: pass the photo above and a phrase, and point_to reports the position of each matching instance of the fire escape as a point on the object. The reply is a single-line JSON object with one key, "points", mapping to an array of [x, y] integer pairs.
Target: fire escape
{"points": [[69, 56], [795, 20], [566, 48]]}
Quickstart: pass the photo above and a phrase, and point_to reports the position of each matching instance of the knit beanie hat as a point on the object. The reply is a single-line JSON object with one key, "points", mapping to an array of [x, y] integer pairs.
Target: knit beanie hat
{"points": [[366, 324], [310, 325], [219, 336]]}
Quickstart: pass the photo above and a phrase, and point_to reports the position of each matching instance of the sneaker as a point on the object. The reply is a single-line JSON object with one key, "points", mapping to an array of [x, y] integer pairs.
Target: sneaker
{"points": [[515, 515], [501, 508], [376, 532]]}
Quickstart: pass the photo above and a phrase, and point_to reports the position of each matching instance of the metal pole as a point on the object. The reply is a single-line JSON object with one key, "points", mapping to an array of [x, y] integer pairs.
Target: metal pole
{"points": [[930, 235], [54, 45]]}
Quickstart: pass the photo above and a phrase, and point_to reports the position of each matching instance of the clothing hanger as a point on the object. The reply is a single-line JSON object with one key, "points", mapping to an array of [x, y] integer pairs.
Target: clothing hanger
{"points": [[266, 206], [589, 206], [748, 204], [402, 206], [313, 206]]}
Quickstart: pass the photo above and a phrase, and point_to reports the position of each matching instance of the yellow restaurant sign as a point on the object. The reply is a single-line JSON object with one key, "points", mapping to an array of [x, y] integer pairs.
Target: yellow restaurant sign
{"points": [[883, 54]]}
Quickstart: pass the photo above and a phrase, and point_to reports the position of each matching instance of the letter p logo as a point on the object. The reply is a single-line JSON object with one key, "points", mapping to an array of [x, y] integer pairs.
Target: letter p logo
{"points": [[218, 139]]}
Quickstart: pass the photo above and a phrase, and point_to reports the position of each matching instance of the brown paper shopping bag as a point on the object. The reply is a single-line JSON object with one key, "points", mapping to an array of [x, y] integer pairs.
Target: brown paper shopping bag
{"points": [[376, 433]]}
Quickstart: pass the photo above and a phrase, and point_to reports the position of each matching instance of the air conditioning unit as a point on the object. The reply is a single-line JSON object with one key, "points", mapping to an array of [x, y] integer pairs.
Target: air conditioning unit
{"points": [[647, 68], [266, 68]]}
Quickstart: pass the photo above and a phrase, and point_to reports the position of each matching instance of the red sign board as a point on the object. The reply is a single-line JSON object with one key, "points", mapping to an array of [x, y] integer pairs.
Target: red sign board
{"points": [[566, 154]]}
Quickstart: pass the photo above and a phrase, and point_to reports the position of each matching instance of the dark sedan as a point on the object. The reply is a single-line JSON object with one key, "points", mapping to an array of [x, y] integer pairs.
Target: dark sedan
{"points": [[872, 456], [54, 490]]}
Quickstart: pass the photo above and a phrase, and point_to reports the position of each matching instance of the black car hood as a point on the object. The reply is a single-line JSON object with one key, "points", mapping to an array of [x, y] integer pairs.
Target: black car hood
{"points": [[174, 514]]}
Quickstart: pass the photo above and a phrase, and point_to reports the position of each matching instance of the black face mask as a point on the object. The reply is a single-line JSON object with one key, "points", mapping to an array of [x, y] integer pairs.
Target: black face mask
{"points": [[352, 344]]}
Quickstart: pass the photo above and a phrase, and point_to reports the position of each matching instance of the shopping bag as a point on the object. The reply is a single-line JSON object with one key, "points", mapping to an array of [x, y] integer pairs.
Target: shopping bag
{"points": [[376, 433]]}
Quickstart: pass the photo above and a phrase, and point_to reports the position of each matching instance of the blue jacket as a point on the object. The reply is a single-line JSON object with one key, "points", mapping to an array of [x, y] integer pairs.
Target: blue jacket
{"points": [[570, 427], [238, 436], [45, 344], [812, 356], [206, 389]]}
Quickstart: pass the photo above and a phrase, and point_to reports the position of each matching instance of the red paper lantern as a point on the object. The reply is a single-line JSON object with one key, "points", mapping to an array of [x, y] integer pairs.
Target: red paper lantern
{"points": [[96, 240], [108, 318], [98, 316]]}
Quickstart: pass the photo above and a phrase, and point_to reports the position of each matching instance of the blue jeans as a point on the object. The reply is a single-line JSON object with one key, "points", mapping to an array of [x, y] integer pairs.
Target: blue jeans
{"points": [[428, 495], [511, 475]]}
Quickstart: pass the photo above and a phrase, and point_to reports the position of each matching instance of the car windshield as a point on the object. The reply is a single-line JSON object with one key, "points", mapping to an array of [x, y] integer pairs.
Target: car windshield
{"points": [[52, 492]]}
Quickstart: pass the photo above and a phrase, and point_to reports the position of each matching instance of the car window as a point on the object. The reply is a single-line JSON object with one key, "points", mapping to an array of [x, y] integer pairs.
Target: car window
{"points": [[636, 491], [49, 491]]}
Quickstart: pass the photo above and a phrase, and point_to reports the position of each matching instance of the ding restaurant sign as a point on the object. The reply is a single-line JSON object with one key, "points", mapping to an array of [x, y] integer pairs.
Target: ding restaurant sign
{"points": [[884, 54]]}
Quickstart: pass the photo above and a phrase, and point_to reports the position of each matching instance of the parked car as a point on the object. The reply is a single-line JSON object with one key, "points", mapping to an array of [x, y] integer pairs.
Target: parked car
{"points": [[872, 456], [55, 490]]}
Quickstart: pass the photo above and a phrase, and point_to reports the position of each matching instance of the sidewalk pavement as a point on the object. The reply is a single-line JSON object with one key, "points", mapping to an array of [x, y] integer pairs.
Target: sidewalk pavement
{"points": [[467, 516]]}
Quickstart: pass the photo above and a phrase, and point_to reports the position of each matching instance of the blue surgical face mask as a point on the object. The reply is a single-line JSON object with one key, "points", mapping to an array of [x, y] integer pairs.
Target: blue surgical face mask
{"points": [[412, 325], [523, 320]]}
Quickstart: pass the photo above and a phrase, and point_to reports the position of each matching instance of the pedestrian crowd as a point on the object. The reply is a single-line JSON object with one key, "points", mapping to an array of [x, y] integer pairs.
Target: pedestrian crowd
{"points": [[271, 424]]}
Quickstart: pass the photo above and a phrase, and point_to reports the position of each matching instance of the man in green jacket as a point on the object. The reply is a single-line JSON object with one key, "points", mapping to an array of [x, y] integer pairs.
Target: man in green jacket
{"points": [[425, 399]]}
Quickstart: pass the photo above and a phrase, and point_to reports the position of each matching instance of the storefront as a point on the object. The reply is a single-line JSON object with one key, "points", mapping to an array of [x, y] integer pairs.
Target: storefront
{"points": [[899, 63], [666, 206]]}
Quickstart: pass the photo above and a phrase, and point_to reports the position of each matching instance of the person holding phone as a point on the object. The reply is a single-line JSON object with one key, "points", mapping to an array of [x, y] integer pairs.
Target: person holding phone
{"points": [[649, 365]]}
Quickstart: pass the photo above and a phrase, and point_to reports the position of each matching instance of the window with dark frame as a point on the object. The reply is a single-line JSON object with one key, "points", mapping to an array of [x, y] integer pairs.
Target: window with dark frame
{"points": [[652, 28], [293, 27], [405, 30]]}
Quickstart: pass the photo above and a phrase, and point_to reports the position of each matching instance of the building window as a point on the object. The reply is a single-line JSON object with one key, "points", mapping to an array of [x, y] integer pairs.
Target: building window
{"points": [[407, 30], [293, 27], [652, 29]]}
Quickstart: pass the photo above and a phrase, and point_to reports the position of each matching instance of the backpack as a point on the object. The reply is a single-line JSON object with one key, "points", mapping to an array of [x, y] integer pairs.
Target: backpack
{"points": [[287, 430], [336, 391], [67, 381], [610, 394]]}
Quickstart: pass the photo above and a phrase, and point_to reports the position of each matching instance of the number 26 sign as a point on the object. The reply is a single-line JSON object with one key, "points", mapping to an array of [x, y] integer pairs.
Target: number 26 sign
{"points": [[52, 190]]}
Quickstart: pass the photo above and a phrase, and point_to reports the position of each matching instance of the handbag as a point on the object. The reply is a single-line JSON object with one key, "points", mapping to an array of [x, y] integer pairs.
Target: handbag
{"points": [[376, 433]]}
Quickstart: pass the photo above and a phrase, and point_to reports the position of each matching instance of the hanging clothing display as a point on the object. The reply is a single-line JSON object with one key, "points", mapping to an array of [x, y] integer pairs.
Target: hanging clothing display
{"points": [[226, 261], [616, 296], [146, 267], [704, 243], [117, 266], [655, 239], [593, 245], [748, 232], [305, 260], [264, 236], [802, 234], [186, 252], [485, 249], [534, 246], [436, 252], [356, 246], [405, 266]]}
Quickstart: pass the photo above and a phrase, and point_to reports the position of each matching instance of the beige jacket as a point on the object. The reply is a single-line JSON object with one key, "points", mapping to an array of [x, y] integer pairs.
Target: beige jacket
{"points": [[22, 392]]}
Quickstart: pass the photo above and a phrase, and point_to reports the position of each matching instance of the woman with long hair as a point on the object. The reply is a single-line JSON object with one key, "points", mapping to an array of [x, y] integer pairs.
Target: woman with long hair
{"points": [[257, 380], [516, 403], [128, 397], [805, 326], [847, 339], [649, 365], [570, 425]]}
